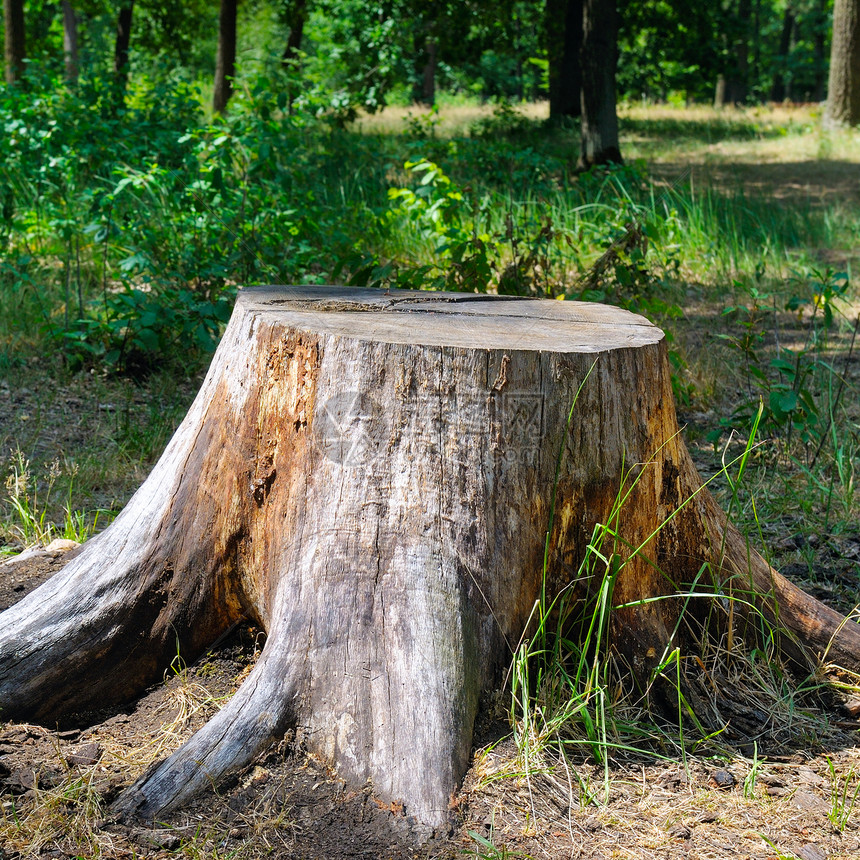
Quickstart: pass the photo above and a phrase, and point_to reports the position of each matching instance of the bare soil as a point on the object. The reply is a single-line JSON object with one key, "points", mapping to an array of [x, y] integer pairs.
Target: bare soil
{"points": [[56, 783], [291, 806]]}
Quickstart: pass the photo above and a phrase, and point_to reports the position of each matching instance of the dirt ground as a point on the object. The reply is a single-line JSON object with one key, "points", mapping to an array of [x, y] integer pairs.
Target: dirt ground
{"points": [[56, 785]]}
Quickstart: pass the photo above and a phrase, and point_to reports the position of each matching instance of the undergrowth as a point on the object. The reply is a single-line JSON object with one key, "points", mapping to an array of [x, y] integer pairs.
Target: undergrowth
{"points": [[573, 698]]}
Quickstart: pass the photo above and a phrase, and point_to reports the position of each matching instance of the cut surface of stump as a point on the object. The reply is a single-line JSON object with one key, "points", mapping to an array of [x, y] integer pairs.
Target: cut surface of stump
{"points": [[369, 478]]}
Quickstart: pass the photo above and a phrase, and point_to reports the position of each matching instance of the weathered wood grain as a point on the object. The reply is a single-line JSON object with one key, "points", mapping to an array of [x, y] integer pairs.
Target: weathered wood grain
{"points": [[368, 477]]}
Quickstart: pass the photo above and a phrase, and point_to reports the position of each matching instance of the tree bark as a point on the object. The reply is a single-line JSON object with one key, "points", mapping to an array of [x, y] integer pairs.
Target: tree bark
{"points": [[737, 82], [598, 59], [225, 61], [843, 91], [296, 15], [15, 41], [370, 478], [70, 43], [777, 92], [428, 72], [720, 93], [819, 38], [123, 40], [564, 37]]}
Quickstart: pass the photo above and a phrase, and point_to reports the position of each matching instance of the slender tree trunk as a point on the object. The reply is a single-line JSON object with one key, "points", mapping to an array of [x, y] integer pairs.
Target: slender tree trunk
{"points": [[819, 40], [564, 38], [737, 83], [599, 56], [123, 40], [843, 90], [15, 41], [755, 44], [428, 73], [225, 62], [777, 92], [296, 17], [70, 42], [720, 92]]}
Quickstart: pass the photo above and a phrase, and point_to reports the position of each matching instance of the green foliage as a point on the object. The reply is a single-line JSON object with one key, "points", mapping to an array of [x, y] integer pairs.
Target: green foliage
{"points": [[842, 798], [154, 217], [138, 329], [677, 50], [795, 386], [30, 503]]}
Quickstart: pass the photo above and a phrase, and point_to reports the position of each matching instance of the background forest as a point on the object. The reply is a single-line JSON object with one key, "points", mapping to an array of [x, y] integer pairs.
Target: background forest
{"points": [[696, 163]]}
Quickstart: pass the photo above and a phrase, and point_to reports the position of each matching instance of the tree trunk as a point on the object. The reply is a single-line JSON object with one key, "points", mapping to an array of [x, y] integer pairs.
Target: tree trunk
{"points": [[737, 82], [599, 55], [564, 37], [720, 93], [370, 478], [819, 39], [843, 91], [777, 92], [296, 16], [123, 40], [225, 61], [15, 42], [428, 73], [70, 43]]}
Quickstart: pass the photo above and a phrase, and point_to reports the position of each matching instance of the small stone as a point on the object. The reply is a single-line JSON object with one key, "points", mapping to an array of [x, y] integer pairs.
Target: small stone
{"points": [[166, 839], [811, 852], [23, 778], [806, 801], [808, 776], [61, 545], [680, 831], [851, 707], [770, 779], [721, 779], [84, 756]]}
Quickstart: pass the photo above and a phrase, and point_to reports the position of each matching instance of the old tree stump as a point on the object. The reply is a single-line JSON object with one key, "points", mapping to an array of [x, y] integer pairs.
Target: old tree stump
{"points": [[369, 478]]}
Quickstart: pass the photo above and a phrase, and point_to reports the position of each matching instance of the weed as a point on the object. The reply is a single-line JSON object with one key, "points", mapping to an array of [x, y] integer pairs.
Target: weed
{"points": [[842, 797], [569, 692], [752, 775], [31, 503], [787, 383], [29, 506], [485, 848], [780, 855]]}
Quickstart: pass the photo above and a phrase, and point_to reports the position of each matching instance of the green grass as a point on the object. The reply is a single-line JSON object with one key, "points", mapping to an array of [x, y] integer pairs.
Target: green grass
{"points": [[715, 235], [149, 233], [573, 697]]}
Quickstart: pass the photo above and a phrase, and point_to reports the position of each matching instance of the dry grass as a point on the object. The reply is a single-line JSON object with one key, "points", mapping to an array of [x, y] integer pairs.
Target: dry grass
{"points": [[65, 809], [453, 119]]}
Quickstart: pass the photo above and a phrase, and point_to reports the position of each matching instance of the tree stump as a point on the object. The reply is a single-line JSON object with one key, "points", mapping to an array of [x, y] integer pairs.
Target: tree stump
{"points": [[369, 478]]}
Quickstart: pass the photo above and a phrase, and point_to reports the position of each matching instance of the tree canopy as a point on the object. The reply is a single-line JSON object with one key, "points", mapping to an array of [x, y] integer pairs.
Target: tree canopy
{"points": [[358, 55]]}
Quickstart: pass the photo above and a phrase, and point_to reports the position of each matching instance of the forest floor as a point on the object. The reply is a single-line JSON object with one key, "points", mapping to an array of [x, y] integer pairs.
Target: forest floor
{"points": [[793, 799], [56, 785]]}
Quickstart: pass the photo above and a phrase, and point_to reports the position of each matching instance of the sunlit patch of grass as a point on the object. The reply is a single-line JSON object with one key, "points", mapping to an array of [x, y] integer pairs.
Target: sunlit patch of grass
{"points": [[449, 120]]}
